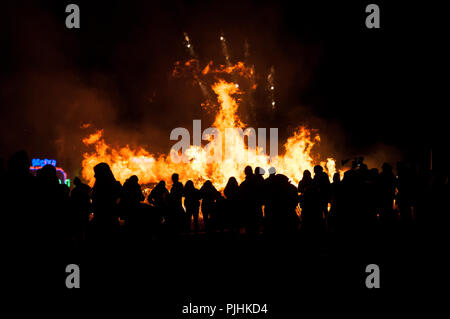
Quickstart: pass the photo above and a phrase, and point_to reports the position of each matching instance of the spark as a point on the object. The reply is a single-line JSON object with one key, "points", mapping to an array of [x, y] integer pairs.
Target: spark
{"points": [[190, 47], [271, 85], [225, 51]]}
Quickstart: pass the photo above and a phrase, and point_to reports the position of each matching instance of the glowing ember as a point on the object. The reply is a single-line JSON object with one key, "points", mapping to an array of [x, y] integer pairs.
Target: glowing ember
{"points": [[150, 168]]}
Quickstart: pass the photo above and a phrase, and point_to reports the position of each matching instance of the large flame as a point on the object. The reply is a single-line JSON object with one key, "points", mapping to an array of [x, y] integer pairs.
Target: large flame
{"points": [[235, 153]]}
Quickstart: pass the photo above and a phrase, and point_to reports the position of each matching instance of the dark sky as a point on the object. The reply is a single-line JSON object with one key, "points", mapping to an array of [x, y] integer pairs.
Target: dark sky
{"points": [[367, 91]]}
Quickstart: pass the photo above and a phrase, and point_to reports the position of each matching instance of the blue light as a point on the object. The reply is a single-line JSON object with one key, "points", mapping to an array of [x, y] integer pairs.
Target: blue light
{"points": [[42, 162]]}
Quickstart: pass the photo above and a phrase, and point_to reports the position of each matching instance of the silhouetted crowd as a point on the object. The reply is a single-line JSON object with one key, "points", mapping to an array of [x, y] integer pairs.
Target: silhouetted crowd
{"points": [[363, 202]]}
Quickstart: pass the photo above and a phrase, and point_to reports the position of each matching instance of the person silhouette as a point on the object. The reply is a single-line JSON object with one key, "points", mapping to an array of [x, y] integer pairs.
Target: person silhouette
{"points": [[158, 198], [158, 195], [130, 200], [177, 216], [335, 200], [35, 223], [323, 184], [232, 208], [25, 223], [231, 189], [53, 199], [105, 195], [176, 191], [306, 182], [269, 195], [132, 192], [80, 200], [250, 201], [209, 195], [192, 203], [310, 203], [259, 173]]}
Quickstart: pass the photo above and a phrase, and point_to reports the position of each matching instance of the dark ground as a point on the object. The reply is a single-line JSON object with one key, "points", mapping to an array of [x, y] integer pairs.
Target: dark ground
{"points": [[294, 277]]}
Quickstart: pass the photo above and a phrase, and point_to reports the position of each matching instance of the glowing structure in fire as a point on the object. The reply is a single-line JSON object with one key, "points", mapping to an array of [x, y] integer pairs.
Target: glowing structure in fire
{"points": [[37, 164]]}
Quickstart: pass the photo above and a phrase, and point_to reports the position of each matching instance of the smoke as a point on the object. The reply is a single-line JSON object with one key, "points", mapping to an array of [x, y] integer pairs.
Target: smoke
{"points": [[53, 95], [53, 107], [48, 102]]}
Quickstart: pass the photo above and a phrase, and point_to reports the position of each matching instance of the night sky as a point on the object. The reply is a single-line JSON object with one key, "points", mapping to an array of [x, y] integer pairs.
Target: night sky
{"points": [[368, 91]]}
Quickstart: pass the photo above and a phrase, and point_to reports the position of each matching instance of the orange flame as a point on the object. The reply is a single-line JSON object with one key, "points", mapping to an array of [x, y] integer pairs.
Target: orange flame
{"points": [[235, 154]]}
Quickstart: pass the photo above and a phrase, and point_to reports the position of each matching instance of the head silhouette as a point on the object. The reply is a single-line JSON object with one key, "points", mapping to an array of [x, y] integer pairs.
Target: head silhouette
{"points": [[103, 173], [47, 175], [208, 184], [175, 177], [133, 179], [232, 181], [336, 178], [248, 171], [306, 174], [189, 185], [76, 181], [318, 169], [272, 170]]}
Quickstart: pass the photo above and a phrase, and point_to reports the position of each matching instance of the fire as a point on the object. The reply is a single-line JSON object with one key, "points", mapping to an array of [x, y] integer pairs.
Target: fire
{"points": [[233, 153]]}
